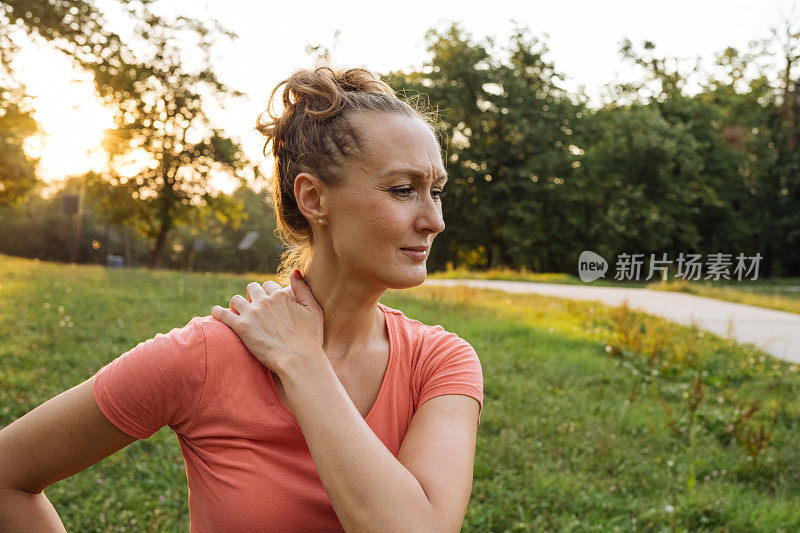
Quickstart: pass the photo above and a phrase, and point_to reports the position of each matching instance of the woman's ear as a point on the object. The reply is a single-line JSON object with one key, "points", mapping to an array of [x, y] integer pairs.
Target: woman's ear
{"points": [[309, 192]]}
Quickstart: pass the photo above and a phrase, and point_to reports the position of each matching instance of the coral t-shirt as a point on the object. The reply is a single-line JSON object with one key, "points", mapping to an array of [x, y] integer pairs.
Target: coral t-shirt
{"points": [[247, 463]]}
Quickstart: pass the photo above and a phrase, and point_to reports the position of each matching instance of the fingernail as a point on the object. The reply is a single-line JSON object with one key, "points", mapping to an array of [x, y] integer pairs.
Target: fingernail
{"points": [[297, 273]]}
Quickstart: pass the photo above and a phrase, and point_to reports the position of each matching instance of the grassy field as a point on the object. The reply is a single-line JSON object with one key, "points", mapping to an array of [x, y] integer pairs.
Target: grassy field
{"points": [[781, 294], [595, 418]]}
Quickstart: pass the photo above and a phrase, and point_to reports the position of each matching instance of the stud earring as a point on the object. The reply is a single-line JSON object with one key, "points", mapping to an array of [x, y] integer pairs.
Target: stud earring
{"points": [[320, 220]]}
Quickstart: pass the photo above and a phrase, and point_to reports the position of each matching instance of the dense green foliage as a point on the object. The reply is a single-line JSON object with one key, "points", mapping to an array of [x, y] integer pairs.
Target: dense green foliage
{"points": [[572, 437], [538, 175], [17, 170]]}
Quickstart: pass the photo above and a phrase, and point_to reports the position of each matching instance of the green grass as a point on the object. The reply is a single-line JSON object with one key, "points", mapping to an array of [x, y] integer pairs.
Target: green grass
{"points": [[573, 437]]}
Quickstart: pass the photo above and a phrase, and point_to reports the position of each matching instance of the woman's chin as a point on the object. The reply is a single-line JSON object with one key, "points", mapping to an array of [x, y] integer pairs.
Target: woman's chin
{"points": [[408, 280]]}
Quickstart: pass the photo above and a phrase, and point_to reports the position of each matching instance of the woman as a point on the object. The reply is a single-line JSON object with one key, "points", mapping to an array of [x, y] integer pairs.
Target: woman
{"points": [[310, 406]]}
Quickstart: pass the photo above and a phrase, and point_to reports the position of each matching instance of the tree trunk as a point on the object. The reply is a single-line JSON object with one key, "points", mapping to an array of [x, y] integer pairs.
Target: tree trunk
{"points": [[158, 248], [127, 246]]}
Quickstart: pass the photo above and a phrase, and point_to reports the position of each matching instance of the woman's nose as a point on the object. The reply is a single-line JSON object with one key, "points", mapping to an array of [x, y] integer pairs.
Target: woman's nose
{"points": [[430, 218]]}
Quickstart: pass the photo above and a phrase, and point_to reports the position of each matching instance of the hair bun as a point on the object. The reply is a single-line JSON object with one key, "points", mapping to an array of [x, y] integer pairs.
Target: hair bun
{"points": [[322, 91]]}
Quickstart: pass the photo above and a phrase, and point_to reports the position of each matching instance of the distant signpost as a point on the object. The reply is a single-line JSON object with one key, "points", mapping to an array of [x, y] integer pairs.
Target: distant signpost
{"points": [[245, 245], [247, 242], [115, 261], [71, 205]]}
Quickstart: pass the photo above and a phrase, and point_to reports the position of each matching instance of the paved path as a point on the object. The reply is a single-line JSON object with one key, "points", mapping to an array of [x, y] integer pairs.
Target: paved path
{"points": [[775, 332]]}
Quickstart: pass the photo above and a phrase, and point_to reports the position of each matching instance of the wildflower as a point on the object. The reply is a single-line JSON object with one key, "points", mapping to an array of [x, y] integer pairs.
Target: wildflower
{"points": [[613, 488], [670, 463], [669, 509], [724, 472], [162, 498], [707, 478], [714, 472], [608, 348]]}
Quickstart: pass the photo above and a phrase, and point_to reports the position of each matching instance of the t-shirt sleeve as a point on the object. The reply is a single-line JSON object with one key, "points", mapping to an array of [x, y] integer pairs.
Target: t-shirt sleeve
{"points": [[159, 382], [448, 365]]}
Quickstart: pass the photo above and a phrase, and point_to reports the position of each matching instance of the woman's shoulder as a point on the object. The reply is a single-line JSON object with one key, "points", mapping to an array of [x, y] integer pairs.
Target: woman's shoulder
{"points": [[425, 337], [212, 327], [201, 338], [218, 336], [199, 330], [441, 362]]}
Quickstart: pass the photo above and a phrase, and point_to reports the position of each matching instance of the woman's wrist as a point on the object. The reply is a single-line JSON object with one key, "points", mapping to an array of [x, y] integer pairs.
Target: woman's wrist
{"points": [[304, 378], [299, 367]]}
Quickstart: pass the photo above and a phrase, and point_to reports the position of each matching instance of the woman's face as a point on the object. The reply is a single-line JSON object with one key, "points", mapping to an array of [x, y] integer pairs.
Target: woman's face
{"points": [[389, 200]]}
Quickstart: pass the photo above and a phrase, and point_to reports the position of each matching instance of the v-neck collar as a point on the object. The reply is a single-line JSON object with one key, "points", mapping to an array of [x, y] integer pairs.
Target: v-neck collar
{"points": [[388, 317]]}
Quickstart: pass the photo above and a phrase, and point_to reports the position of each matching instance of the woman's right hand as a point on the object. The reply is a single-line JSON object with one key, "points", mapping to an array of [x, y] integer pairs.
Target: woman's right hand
{"points": [[280, 328]]}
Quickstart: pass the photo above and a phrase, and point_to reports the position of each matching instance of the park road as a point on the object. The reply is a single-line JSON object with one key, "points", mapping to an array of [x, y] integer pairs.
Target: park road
{"points": [[775, 332]]}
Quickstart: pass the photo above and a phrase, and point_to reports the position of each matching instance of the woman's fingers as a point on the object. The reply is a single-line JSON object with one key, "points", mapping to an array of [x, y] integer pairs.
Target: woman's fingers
{"points": [[255, 291], [270, 287], [226, 316], [238, 303]]}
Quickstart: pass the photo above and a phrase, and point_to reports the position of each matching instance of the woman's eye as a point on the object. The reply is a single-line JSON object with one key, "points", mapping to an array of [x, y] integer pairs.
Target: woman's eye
{"points": [[402, 191], [406, 191]]}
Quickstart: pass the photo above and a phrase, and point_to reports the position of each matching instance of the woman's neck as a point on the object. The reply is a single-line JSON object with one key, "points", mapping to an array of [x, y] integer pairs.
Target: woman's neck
{"points": [[352, 316]]}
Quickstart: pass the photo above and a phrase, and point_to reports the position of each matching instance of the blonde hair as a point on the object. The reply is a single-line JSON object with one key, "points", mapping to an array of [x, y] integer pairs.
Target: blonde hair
{"points": [[313, 134]]}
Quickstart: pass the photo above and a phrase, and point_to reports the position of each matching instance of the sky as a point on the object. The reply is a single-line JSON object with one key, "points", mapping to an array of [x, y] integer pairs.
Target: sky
{"points": [[583, 38]]}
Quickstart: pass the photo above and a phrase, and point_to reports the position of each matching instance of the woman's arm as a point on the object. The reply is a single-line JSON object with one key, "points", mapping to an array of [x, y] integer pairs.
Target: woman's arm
{"points": [[61, 437], [426, 488]]}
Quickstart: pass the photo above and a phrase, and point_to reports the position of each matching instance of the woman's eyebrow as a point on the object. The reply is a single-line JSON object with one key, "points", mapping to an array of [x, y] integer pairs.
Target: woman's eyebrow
{"points": [[441, 178]]}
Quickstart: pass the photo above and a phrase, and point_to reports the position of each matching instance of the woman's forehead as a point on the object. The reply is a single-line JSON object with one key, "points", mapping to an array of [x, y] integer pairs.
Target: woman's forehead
{"points": [[397, 142]]}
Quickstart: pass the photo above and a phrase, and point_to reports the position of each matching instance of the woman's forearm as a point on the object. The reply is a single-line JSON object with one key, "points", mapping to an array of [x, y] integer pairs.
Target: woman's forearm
{"points": [[22, 511], [369, 489]]}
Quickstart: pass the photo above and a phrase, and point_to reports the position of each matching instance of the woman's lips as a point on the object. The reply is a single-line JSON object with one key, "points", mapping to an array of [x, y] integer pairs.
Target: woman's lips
{"points": [[418, 255]]}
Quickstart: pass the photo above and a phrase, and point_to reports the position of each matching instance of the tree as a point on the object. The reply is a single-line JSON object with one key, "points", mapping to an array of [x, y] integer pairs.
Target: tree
{"points": [[694, 169], [163, 147], [17, 170]]}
